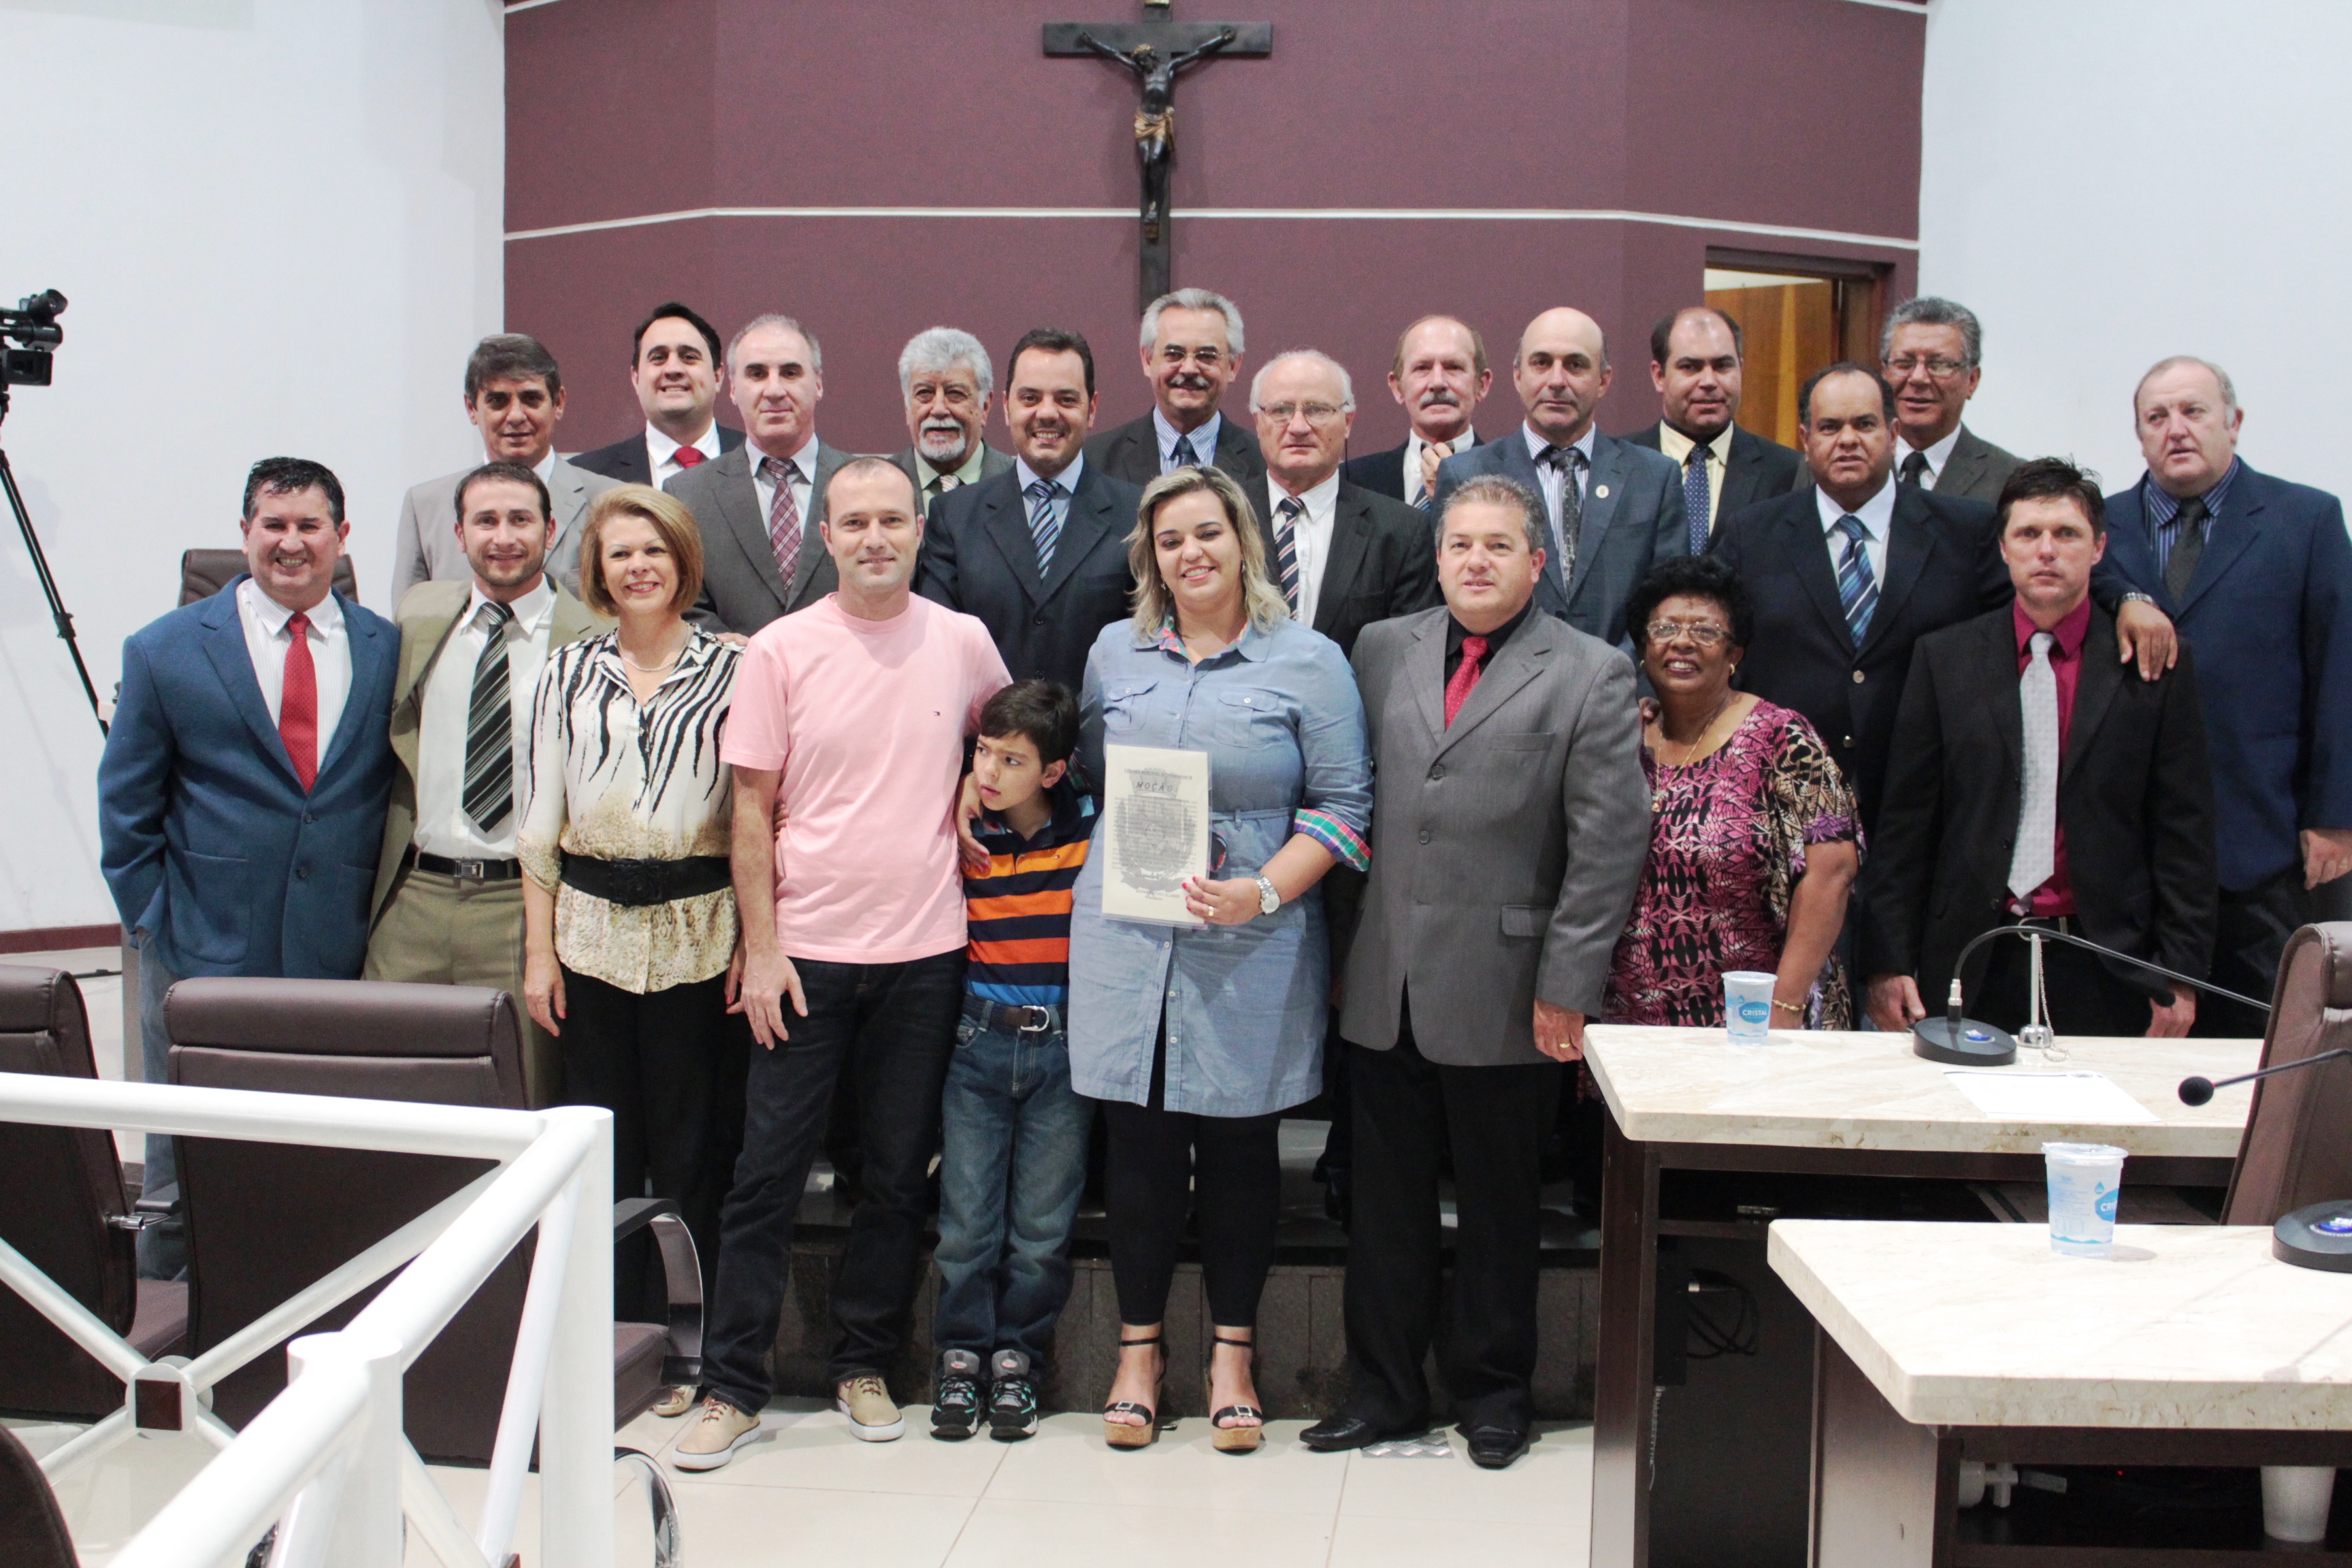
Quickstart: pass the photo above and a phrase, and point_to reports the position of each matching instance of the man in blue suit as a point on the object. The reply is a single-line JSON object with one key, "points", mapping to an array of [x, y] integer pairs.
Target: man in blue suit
{"points": [[1611, 508], [242, 795], [2257, 572]]}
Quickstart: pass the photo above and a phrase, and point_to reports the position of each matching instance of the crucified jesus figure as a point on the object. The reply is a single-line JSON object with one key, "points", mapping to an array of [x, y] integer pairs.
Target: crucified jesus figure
{"points": [[1155, 113]]}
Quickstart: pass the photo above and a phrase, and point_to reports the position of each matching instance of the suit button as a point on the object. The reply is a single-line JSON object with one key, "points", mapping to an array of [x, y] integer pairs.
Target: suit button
{"points": [[1857, 677], [1040, 621], [301, 873], [1425, 835], [1438, 772], [308, 818], [1848, 740]]}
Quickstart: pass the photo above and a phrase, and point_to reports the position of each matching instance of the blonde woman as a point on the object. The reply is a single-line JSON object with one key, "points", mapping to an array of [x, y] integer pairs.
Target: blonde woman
{"points": [[1197, 1040]]}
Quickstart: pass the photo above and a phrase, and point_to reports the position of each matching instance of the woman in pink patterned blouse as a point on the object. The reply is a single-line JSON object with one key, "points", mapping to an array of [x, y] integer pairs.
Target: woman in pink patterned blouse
{"points": [[1753, 838]]}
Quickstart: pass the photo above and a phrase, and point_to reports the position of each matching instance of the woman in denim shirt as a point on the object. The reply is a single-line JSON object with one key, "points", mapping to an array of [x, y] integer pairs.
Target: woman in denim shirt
{"points": [[1197, 1040]]}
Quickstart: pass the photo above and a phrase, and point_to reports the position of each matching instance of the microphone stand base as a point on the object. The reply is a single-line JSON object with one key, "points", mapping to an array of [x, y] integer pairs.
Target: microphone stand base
{"points": [[2318, 1235], [1972, 1044]]}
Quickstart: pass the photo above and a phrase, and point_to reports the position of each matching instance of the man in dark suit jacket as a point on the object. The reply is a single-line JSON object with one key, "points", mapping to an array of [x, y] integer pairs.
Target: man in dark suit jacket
{"points": [[673, 369], [1192, 349], [2258, 572], [1344, 556], [1624, 503], [761, 508], [1929, 352], [1439, 377], [982, 543], [1695, 364], [1911, 563], [2096, 820], [946, 379], [242, 793], [1509, 829]]}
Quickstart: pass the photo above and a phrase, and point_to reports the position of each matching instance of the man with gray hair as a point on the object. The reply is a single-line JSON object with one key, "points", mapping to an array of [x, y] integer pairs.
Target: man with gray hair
{"points": [[1192, 349], [947, 381], [1928, 354]]}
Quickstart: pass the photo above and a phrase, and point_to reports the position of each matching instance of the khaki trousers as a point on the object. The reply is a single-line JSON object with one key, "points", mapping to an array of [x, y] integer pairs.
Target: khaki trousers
{"points": [[438, 930]]}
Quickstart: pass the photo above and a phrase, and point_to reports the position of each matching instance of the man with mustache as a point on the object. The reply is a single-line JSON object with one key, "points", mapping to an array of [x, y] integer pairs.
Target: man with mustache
{"points": [[1611, 507], [1192, 349], [1929, 354], [1438, 377], [673, 369], [947, 381], [448, 906], [1695, 364], [514, 398], [242, 793], [1039, 552]]}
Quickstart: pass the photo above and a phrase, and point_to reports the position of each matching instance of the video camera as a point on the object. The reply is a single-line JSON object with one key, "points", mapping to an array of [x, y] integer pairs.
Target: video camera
{"points": [[33, 325]]}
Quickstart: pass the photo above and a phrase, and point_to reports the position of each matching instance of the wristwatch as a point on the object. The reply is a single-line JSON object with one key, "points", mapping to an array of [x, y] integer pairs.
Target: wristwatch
{"points": [[1268, 901], [2136, 598]]}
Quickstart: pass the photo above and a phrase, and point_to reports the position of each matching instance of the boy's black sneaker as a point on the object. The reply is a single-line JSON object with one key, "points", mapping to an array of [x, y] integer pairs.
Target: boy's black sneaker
{"points": [[1012, 1398], [955, 1407]]}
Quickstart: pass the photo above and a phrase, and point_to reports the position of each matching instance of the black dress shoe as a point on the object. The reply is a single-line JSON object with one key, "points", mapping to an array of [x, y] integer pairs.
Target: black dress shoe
{"points": [[1338, 1434], [1494, 1447]]}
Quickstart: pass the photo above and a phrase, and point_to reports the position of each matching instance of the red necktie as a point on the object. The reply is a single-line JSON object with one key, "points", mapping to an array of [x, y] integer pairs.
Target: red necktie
{"points": [[298, 705], [1466, 677], [687, 456]]}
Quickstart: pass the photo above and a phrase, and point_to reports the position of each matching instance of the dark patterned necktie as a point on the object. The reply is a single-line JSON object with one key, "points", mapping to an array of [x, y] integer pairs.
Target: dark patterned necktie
{"points": [[1286, 518], [1184, 457], [2188, 546], [1695, 498], [489, 729], [1568, 461], [1914, 471], [783, 517]]}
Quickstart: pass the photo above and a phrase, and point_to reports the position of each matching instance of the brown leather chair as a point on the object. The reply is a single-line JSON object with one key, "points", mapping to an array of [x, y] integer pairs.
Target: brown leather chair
{"points": [[2296, 1149], [204, 573], [266, 1219], [32, 1529], [62, 1205]]}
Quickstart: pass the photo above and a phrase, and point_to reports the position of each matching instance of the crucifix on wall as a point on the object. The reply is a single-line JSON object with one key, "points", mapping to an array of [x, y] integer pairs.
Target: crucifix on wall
{"points": [[1154, 50]]}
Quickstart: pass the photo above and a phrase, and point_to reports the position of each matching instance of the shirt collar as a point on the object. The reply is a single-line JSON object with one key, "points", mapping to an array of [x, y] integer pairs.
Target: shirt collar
{"points": [[1673, 444], [1939, 456], [659, 448], [1067, 481], [528, 611], [1415, 441], [1456, 631], [1062, 798], [1250, 645], [1318, 500], [545, 467], [964, 473], [1204, 439], [326, 616], [804, 455], [1537, 443], [2069, 632], [2163, 506], [1876, 514]]}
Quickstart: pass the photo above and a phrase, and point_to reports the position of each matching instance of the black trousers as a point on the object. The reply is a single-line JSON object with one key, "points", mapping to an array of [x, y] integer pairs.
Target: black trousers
{"points": [[2248, 940], [1406, 1107], [1156, 1162], [2086, 996], [670, 1066]]}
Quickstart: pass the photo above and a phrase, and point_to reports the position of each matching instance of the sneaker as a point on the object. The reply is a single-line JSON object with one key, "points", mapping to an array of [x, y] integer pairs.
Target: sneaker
{"points": [[714, 1438], [1012, 1398], [675, 1401], [955, 1409], [873, 1415]]}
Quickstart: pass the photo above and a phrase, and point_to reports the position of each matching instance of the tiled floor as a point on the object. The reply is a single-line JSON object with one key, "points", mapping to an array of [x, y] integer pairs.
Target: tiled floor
{"points": [[811, 1495]]}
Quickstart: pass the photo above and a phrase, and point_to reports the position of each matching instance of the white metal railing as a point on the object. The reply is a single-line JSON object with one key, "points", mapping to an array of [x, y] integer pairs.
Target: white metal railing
{"points": [[327, 1461]]}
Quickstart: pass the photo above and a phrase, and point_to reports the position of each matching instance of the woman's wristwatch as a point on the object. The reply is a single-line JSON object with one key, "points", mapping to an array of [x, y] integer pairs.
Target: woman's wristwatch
{"points": [[1268, 900]]}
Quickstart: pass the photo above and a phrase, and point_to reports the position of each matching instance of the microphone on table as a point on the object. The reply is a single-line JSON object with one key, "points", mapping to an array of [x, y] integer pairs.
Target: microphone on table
{"points": [[1965, 1042], [2199, 1090], [2317, 1236]]}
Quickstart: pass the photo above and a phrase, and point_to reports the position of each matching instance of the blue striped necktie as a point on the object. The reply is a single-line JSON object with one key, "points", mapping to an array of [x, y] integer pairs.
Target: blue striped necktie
{"points": [[1857, 588], [1184, 457], [1044, 520]]}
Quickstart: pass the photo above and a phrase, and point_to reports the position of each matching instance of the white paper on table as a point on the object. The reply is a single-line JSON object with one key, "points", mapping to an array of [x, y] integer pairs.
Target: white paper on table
{"points": [[2090, 1097], [1155, 831]]}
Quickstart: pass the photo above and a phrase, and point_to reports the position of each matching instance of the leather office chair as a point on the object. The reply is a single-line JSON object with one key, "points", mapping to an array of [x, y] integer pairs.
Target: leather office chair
{"points": [[204, 573], [2295, 1149], [266, 1219], [32, 1529], [62, 1205]]}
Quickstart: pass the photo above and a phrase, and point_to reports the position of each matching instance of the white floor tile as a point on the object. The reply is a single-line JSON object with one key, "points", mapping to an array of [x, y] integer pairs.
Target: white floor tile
{"points": [[1010, 1533], [812, 1447], [1067, 1461], [793, 1527], [1419, 1542], [1550, 1486]]}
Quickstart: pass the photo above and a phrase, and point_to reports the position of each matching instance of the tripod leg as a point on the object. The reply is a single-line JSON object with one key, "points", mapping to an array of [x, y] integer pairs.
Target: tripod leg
{"points": [[58, 611]]}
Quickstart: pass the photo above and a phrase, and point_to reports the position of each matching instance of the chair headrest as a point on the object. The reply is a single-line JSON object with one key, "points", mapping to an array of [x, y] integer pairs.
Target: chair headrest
{"points": [[32, 995], [2336, 955], [341, 1018]]}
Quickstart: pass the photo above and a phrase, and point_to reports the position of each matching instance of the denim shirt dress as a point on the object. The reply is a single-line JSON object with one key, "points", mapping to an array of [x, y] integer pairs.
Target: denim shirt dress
{"points": [[1278, 715]]}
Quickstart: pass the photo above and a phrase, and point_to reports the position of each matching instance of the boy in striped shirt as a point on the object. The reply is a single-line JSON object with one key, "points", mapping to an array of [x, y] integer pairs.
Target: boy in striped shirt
{"points": [[1014, 1131]]}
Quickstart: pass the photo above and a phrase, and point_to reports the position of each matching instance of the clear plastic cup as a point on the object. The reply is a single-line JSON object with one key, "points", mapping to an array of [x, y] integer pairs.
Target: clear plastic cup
{"points": [[2085, 1180], [1747, 1006]]}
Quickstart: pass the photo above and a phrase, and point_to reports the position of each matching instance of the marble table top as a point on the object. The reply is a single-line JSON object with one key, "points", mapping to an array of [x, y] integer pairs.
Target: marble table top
{"points": [[1982, 1325], [1819, 1089]]}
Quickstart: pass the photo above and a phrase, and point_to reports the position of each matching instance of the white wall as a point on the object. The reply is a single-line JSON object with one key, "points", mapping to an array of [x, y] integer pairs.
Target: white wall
{"points": [[278, 223], [2108, 181]]}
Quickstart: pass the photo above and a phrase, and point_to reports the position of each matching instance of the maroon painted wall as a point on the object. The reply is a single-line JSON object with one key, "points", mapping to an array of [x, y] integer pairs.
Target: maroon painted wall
{"points": [[1793, 113]]}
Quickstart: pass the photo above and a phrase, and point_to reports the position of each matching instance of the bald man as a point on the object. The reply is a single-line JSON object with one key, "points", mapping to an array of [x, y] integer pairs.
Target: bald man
{"points": [[1613, 509]]}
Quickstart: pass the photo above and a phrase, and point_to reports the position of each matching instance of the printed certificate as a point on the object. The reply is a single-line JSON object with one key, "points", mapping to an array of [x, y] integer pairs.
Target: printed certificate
{"points": [[1155, 831]]}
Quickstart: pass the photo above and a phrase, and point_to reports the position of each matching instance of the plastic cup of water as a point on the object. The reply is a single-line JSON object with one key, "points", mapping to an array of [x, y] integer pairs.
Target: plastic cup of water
{"points": [[2085, 1180], [1747, 1006]]}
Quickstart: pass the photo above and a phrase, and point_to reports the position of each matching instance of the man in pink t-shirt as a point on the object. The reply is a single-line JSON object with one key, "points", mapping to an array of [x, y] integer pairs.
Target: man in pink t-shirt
{"points": [[852, 716]]}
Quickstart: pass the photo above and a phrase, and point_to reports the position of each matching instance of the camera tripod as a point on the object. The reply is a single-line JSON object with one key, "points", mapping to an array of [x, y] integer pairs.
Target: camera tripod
{"points": [[57, 612]]}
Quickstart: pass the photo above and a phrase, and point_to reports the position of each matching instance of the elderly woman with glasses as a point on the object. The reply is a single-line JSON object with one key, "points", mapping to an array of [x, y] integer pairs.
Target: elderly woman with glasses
{"points": [[1753, 840]]}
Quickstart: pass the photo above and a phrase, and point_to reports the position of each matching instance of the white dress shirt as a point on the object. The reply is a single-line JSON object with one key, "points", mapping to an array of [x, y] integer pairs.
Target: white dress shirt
{"points": [[1877, 515], [441, 826], [661, 452], [266, 639], [1204, 439], [1554, 480], [1413, 449], [1938, 455], [803, 480], [1310, 540]]}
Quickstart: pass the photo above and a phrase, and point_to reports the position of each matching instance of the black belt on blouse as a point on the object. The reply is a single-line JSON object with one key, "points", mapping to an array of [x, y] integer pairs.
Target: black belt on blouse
{"points": [[639, 882]]}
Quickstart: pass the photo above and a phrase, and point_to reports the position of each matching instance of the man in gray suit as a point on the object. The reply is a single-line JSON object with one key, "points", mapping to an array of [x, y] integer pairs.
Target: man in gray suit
{"points": [[514, 395], [947, 381], [760, 507], [1510, 827], [1928, 354], [1611, 508]]}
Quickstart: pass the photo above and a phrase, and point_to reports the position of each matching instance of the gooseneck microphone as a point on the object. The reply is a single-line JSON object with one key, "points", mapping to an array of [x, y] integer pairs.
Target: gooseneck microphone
{"points": [[2199, 1090], [2317, 1236]]}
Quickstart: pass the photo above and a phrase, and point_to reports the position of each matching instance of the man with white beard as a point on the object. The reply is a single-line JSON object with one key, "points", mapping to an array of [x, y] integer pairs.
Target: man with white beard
{"points": [[947, 381]]}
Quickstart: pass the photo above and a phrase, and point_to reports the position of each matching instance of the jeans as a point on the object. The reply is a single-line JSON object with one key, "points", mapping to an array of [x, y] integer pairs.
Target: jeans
{"points": [[1009, 1184], [891, 1028], [163, 1247]]}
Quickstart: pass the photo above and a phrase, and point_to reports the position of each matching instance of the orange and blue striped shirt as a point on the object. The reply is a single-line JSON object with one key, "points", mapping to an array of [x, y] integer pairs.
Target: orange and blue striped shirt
{"points": [[1017, 911]]}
